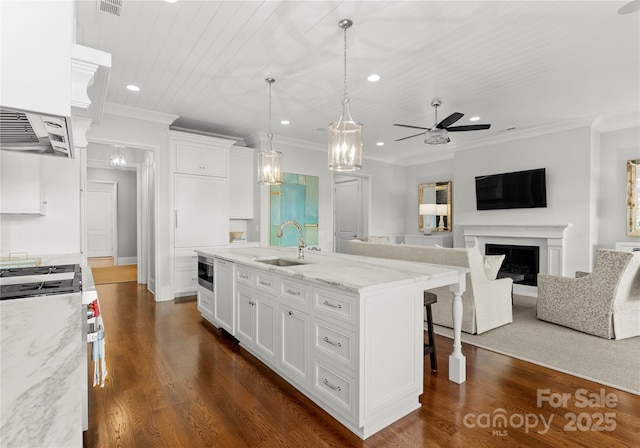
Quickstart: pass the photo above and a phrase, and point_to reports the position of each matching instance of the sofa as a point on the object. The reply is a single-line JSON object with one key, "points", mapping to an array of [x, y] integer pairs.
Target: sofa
{"points": [[604, 303], [487, 301]]}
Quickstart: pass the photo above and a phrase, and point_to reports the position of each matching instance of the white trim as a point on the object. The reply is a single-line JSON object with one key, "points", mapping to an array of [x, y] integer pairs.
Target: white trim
{"points": [[126, 260], [551, 239], [139, 114]]}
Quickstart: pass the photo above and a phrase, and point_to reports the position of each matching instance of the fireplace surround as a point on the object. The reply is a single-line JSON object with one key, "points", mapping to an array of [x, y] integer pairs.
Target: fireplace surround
{"points": [[551, 240]]}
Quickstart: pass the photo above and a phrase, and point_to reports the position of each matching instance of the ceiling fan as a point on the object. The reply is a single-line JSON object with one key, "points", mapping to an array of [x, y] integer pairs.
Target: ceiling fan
{"points": [[438, 134]]}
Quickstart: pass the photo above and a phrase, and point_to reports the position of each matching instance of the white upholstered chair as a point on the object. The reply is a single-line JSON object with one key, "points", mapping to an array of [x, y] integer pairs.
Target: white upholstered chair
{"points": [[604, 303]]}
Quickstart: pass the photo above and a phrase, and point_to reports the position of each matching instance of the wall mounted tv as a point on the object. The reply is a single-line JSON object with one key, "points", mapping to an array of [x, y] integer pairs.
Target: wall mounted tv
{"points": [[520, 189]]}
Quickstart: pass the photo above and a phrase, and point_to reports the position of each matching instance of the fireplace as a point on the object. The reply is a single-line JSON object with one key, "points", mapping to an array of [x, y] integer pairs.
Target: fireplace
{"points": [[521, 263]]}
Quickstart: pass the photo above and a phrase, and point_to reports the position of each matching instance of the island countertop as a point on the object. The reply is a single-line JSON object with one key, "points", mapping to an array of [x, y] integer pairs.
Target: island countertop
{"points": [[349, 272]]}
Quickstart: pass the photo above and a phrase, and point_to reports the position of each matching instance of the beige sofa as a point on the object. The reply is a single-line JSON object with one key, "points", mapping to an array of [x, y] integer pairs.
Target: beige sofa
{"points": [[487, 301]]}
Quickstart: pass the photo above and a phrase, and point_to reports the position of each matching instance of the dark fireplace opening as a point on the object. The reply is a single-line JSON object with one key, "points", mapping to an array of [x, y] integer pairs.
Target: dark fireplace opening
{"points": [[521, 263]]}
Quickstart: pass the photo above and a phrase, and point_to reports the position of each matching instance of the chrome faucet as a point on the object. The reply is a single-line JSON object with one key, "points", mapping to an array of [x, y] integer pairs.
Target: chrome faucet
{"points": [[301, 244]]}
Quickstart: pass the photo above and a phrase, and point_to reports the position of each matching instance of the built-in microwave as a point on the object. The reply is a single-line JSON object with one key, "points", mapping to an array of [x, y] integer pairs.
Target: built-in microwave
{"points": [[205, 272]]}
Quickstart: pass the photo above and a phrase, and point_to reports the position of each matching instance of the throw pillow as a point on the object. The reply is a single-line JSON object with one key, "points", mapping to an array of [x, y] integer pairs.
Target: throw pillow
{"points": [[492, 265]]}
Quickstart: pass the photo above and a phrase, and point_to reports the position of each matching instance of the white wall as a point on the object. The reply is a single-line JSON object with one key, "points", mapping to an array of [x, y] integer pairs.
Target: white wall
{"points": [[127, 206], [616, 148], [387, 195], [57, 232]]}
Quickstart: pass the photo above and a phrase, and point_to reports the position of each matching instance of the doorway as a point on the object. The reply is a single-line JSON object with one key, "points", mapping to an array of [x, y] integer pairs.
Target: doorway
{"points": [[351, 208]]}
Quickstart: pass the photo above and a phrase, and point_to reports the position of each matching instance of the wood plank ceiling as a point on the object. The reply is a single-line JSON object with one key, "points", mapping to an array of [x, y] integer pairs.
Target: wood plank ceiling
{"points": [[516, 64]]}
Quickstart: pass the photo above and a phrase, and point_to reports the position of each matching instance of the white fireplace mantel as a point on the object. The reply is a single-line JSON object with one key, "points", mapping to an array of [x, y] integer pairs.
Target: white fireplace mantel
{"points": [[550, 239]]}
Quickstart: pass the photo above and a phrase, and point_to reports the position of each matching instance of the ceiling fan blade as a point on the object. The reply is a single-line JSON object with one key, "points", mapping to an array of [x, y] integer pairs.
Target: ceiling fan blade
{"points": [[450, 120], [411, 136], [471, 127], [408, 126]]}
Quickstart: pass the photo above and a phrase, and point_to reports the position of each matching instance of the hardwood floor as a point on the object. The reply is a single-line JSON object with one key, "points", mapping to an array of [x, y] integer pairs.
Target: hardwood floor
{"points": [[176, 381]]}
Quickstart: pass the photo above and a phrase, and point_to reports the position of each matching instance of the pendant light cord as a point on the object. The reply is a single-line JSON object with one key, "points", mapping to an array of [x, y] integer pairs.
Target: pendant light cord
{"points": [[345, 99], [270, 134]]}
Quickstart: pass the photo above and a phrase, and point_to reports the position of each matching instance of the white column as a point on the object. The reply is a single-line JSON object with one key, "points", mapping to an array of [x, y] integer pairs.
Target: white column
{"points": [[457, 361]]}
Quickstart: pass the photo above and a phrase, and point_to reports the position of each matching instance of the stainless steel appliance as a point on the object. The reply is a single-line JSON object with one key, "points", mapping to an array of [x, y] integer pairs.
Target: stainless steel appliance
{"points": [[205, 272], [18, 283]]}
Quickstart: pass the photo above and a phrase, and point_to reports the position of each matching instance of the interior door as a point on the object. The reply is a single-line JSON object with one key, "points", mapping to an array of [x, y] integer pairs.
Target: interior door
{"points": [[347, 212], [101, 201]]}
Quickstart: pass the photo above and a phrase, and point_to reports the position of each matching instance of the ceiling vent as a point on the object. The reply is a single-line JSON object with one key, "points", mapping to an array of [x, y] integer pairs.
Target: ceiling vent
{"points": [[111, 6]]}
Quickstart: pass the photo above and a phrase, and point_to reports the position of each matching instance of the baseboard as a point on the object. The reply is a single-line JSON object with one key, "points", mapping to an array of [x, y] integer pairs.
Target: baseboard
{"points": [[126, 260], [525, 290]]}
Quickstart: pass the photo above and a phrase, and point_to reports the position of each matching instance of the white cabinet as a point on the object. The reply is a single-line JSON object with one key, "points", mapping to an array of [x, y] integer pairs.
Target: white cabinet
{"points": [[205, 302], [256, 325], [21, 185], [223, 305], [242, 179], [294, 344], [194, 158], [200, 211], [444, 240]]}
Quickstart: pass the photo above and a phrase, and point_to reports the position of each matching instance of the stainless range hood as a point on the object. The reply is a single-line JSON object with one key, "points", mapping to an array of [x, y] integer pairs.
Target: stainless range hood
{"points": [[35, 133]]}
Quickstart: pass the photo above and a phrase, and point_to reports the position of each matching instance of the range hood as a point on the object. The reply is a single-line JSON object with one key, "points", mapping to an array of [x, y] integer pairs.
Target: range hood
{"points": [[35, 133]]}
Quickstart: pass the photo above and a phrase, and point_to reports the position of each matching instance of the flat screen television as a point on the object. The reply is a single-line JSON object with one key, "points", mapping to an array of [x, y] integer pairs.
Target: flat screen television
{"points": [[520, 189]]}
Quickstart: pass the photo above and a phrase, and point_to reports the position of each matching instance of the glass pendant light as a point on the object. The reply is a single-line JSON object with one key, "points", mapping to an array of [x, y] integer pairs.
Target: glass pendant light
{"points": [[270, 161], [117, 160], [345, 135]]}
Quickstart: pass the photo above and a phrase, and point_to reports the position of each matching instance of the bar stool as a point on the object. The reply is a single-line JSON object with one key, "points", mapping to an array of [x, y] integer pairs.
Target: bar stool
{"points": [[430, 348]]}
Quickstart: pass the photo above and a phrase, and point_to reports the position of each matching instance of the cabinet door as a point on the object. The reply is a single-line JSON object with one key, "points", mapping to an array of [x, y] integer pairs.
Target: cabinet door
{"points": [[21, 184], [244, 329], [223, 311], [265, 330], [186, 281], [241, 183], [215, 161], [294, 343], [201, 211], [188, 158], [205, 301]]}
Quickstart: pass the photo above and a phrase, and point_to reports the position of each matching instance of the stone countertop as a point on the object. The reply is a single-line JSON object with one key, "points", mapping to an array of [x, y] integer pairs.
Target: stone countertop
{"points": [[350, 272]]}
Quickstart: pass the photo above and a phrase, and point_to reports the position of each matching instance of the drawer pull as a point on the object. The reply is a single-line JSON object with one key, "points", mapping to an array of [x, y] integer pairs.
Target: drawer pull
{"points": [[329, 341], [293, 293], [336, 388], [263, 283], [338, 306], [244, 276]]}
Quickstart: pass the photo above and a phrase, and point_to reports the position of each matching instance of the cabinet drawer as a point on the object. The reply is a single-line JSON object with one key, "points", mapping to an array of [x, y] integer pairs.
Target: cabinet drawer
{"points": [[336, 305], [244, 276], [337, 343], [266, 283], [335, 388], [294, 293], [186, 258]]}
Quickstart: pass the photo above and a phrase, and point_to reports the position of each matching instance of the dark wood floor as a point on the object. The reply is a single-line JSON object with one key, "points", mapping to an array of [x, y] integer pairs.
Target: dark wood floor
{"points": [[175, 381]]}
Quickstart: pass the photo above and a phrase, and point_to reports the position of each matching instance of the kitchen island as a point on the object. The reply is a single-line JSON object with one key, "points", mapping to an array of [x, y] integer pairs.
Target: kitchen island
{"points": [[345, 330]]}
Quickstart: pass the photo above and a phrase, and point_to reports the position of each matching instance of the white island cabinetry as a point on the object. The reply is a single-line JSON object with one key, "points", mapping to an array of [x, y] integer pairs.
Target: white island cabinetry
{"points": [[346, 331]]}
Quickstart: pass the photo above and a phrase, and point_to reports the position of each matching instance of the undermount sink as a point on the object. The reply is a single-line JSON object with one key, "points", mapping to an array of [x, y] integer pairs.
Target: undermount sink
{"points": [[280, 262]]}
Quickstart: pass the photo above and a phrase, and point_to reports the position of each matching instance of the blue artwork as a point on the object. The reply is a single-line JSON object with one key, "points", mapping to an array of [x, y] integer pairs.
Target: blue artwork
{"points": [[295, 199]]}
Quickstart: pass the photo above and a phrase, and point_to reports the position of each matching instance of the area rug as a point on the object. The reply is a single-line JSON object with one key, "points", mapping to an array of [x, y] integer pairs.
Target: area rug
{"points": [[115, 274], [608, 362]]}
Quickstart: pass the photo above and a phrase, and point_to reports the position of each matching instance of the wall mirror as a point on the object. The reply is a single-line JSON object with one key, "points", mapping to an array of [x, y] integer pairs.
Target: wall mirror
{"points": [[434, 207], [633, 197]]}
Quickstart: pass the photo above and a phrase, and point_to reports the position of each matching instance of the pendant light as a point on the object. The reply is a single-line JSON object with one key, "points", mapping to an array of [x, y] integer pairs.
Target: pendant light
{"points": [[270, 161], [117, 160], [345, 135]]}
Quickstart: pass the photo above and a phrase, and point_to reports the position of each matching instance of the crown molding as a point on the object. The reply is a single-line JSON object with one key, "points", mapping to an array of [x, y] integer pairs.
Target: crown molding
{"points": [[139, 114], [624, 120]]}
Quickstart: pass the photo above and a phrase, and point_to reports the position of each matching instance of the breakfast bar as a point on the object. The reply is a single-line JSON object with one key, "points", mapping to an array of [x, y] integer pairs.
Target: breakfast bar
{"points": [[345, 330]]}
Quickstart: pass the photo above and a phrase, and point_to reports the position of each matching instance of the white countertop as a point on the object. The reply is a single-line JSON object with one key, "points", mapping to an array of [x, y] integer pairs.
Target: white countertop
{"points": [[350, 272]]}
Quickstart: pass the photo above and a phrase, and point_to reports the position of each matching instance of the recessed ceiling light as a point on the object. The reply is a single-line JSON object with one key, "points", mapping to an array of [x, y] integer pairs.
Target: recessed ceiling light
{"points": [[170, 1], [380, 144], [133, 88], [285, 122], [476, 118], [373, 78]]}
